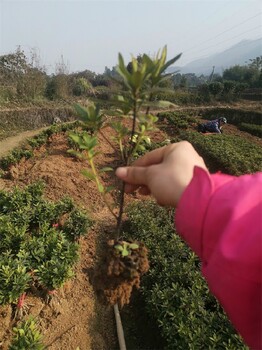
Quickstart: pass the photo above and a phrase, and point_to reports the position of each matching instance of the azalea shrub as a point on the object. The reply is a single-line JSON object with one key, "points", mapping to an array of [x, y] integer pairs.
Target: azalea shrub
{"points": [[38, 241], [27, 336], [252, 129]]}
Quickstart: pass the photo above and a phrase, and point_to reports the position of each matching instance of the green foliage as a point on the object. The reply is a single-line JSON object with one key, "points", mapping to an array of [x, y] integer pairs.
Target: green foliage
{"points": [[76, 224], [245, 74], [57, 87], [52, 257], [231, 154], [15, 156], [215, 88], [81, 86], [26, 336], [234, 116], [176, 119], [91, 116], [252, 129], [125, 248], [21, 77], [140, 81], [175, 294], [14, 278], [33, 242]]}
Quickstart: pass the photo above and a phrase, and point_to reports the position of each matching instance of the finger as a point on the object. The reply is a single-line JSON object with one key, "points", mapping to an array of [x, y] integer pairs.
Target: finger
{"points": [[131, 188], [154, 157], [144, 191], [132, 175]]}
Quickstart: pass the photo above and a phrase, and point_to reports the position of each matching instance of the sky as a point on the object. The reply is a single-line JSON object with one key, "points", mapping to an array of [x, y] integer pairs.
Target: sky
{"points": [[90, 34]]}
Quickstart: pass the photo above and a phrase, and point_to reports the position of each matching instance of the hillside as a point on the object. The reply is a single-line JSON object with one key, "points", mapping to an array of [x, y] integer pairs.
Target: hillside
{"points": [[237, 54]]}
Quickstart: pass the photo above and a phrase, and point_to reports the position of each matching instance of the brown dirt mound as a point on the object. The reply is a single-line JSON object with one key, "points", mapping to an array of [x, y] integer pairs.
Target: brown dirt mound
{"points": [[115, 275]]}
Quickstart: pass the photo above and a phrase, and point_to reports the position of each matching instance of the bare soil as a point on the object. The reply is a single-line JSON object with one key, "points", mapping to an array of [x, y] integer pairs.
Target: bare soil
{"points": [[17, 141]]}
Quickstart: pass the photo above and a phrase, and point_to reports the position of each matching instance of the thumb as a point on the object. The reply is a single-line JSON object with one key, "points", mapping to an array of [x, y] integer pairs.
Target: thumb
{"points": [[132, 175]]}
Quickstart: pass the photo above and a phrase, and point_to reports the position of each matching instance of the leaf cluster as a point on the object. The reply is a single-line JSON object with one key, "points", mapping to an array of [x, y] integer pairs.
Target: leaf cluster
{"points": [[229, 154], [34, 247], [26, 336], [143, 79], [252, 129], [125, 248], [33, 143]]}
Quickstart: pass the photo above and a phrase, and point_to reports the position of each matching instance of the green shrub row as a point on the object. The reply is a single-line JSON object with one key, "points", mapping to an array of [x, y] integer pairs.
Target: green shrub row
{"points": [[233, 155], [35, 142], [36, 246], [252, 129], [175, 294], [177, 120], [234, 116]]}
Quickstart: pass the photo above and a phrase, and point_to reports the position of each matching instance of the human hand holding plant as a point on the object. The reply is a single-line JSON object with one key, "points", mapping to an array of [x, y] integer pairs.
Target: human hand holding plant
{"points": [[164, 172]]}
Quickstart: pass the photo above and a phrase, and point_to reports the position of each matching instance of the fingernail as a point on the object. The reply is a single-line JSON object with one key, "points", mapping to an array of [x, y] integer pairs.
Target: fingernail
{"points": [[121, 172]]}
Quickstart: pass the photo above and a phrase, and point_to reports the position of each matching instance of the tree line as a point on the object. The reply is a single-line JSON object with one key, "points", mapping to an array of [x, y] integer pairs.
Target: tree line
{"points": [[23, 78]]}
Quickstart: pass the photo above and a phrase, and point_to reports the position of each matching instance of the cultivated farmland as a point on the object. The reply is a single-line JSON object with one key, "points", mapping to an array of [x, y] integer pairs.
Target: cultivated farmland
{"points": [[52, 233]]}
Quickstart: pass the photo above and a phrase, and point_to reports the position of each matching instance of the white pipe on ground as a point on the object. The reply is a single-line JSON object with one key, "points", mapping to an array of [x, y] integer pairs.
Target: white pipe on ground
{"points": [[119, 327]]}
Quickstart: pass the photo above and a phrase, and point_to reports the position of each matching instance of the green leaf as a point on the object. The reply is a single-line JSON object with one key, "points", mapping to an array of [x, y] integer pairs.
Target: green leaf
{"points": [[163, 103], [75, 138], [81, 112], [125, 252], [133, 246], [101, 188], [168, 63], [119, 247], [88, 174], [109, 189], [105, 169]]}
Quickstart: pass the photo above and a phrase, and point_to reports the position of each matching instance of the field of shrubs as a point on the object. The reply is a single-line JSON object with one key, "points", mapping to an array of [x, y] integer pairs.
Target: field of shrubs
{"points": [[39, 243]]}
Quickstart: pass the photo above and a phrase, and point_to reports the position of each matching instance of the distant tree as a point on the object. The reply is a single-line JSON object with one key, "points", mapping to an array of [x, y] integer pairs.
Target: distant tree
{"points": [[24, 75], [59, 84], [256, 63], [13, 66], [250, 74], [183, 82], [215, 88], [82, 87]]}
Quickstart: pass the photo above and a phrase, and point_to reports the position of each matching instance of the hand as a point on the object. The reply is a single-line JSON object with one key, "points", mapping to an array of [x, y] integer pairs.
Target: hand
{"points": [[164, 172]]}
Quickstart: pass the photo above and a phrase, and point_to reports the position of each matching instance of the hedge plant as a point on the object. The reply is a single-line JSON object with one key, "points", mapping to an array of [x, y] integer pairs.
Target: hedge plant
{"points": [[175, 294], [252, 129], [36, 248]]}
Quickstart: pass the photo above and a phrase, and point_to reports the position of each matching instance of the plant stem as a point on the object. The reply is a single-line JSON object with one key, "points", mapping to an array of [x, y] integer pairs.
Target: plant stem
{"points": [[99, 185], [127, 161], [110, 143], [149, 100], [121, 210]]}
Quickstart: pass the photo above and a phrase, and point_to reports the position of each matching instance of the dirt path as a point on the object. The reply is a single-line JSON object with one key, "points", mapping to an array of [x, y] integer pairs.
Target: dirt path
{"points": [[12, 142]]}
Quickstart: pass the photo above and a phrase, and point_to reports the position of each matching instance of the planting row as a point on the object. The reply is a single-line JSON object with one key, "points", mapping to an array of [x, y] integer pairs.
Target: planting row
{"points": [[252, 129], [231, 154], [234, 116], [38, 242], [35, 142], [176, 296]]}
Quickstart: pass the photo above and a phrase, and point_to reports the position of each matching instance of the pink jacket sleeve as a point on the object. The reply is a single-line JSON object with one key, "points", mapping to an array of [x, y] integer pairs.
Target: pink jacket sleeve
{"points": [[220, 217]]}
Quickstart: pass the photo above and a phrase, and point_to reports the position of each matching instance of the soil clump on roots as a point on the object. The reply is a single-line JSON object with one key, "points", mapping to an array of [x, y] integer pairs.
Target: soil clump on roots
{"points": [[116, 275]]}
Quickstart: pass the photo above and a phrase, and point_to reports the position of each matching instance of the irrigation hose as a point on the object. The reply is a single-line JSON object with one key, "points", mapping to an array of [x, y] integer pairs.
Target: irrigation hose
{"points": [[119, 327]]}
